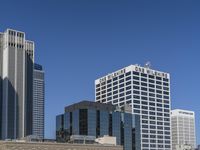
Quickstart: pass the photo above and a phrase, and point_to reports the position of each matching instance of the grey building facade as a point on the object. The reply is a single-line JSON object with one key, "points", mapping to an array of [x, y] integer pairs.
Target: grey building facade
{"points": [[54, 146], [16, 84], [96, 119], [38, 101], [147, 91]]}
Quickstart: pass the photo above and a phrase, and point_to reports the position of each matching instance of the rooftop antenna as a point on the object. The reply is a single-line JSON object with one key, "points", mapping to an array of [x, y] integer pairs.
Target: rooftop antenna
{"points": [[147, 64]]}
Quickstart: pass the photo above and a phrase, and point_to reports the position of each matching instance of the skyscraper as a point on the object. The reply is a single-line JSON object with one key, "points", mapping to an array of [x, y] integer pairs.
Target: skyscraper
{"points": [[183, 128], [147, 91], [16, 73], [38, 101]]}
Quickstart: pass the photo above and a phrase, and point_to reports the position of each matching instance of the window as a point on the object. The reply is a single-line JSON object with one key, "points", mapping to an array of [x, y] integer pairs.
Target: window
{"points": [[128, 87], [143, 88], [136, 73], [136, 87], [143, 79], [121, 76], [121, 90], [122, 94], [109, 81], [114, 79], [109, 85], [128, 83], [128, 92], [128, 73], [128, 78], [135, 82], [128, 97], [143, 75], [121, 81], [136, 92], [143, 84], [165, 84], [136, 78]]}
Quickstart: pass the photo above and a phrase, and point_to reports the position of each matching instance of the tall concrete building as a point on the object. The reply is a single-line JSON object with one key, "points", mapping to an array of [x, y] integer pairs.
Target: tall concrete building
{"points": [[16, 84], [147, 91], [38, 101], [183, 128]]}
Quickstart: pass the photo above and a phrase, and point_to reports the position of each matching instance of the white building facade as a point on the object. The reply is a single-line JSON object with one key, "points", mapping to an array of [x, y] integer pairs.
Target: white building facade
{"points": [[147, 91], [183, 128]]}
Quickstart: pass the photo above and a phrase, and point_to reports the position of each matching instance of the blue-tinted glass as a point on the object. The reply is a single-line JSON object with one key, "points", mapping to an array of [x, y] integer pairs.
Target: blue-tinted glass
{"points": [[75, 122], [104, 123], [92, 122], [67, 120], [128, 131], [116, 126], [58, 122], [136, 124]]}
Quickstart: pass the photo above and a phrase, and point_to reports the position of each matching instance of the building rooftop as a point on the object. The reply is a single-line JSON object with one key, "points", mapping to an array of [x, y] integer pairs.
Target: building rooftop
{"points": [[90, 104]]}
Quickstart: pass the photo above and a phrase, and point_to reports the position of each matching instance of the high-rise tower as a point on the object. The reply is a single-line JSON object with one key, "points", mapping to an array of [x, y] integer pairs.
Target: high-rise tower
{"points": [[147, 91], [38, 101], [16, 73], [183, 128]]}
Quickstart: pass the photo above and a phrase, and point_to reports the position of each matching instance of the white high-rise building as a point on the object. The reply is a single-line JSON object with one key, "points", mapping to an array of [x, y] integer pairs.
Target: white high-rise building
{"points": [[183, 128], [16, 84], [147, 91], [38, 101]]}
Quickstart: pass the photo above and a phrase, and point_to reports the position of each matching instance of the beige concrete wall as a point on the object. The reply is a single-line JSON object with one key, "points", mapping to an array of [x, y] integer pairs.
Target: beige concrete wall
{"points": [[53, 146]]}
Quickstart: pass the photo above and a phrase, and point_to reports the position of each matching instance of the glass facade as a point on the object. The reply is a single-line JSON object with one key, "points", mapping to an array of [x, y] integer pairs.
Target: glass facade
{"points": [[92, 123], [75, 122], [116, 128], [104, 123], [92, 119]]}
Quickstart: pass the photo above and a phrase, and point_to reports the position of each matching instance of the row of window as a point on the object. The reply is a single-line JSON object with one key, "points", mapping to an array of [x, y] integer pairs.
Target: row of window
{"points": [[159, 86], [155, 131], [136, 90], [154, 118], [135, 74], [14, 33], [121, 98], [152, 88], [155, 136], [153, 145], [122, 91], [134, 78], [15, 45]]}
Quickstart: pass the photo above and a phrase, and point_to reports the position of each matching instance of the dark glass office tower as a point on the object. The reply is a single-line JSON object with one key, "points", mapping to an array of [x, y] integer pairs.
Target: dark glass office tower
{"points": [[97, 119], [17, 57]]}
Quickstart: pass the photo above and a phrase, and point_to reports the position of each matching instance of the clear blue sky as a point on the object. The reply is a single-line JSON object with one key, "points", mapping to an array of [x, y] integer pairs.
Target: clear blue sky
{"points": [[78, 41]]}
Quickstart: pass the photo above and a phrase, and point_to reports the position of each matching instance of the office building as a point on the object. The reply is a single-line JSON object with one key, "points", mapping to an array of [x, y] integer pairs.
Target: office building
{"points": [[147, 91], [38, 101], [96, 120], [16, 85], [54, 146], [183, 128]]}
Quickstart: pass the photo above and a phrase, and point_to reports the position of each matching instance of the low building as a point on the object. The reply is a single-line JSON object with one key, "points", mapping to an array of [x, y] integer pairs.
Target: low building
{"points": [[95, 119], [107, 140], [54, 146]]}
